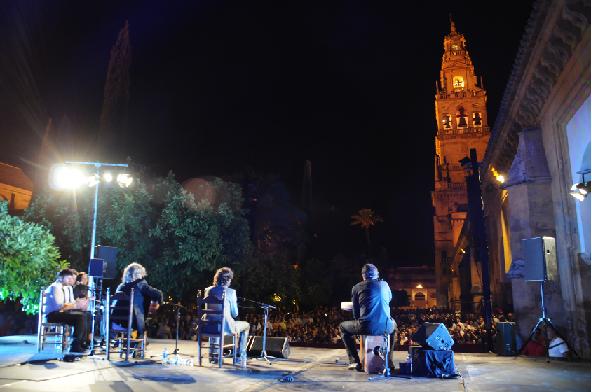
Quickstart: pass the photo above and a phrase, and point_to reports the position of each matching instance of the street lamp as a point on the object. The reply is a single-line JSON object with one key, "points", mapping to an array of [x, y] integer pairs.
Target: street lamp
{"points": [[69, 176]]}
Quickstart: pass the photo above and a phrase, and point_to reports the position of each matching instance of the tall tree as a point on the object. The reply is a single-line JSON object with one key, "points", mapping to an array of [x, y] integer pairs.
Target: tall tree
{"points": [[113, 121], [366, 218]]}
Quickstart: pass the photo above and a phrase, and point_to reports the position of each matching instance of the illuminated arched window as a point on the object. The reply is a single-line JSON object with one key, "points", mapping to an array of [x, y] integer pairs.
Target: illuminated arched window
{"points": [[447, 122], [461, 118], [458, 82]]}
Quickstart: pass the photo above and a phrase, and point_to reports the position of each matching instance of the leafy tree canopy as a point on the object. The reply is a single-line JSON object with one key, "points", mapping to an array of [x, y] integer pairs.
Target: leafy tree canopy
{"points": [[29, 259], [178, 239]]}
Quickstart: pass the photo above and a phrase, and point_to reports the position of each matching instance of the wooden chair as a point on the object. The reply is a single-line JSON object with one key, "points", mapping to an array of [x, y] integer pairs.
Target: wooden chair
{"points": [[60, 332], [210, 324], [119, 326]]}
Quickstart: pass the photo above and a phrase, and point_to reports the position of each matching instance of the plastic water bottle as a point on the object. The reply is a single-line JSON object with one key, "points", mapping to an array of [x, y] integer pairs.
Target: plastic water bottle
{"points": [[165, 356]]}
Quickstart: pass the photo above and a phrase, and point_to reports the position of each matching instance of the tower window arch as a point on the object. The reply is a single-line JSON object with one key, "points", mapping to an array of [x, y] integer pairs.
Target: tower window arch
{"points": [[461, 117], [458, 82], [446, 122], [477, 119]]}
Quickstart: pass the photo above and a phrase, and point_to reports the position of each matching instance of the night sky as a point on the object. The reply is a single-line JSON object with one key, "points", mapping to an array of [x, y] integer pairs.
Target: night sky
{"points": [[221, 87]]}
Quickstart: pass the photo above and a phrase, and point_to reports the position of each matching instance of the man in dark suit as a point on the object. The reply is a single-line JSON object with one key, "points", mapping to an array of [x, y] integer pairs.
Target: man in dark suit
{"points": [[371, 311]]}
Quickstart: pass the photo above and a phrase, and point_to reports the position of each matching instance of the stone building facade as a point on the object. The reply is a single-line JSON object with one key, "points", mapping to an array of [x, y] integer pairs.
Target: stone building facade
{"points": [[419, 283], [461, 117], [15, 188], [540, 142]]}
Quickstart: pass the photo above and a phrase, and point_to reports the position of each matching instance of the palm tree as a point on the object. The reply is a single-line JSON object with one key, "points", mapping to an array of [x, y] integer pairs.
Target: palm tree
{"points": [[366, 218]]}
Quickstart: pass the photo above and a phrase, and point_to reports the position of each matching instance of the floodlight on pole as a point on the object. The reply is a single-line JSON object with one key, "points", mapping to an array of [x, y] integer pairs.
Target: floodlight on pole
{"points": [[68, 176]]}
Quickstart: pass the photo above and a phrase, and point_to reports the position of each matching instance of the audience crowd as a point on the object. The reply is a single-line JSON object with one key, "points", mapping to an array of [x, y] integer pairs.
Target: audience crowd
{"points": [[321, 326], [317, 327]]}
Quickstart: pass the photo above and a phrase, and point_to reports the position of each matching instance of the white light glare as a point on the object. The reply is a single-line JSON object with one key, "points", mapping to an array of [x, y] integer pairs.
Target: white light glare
{"points": [[93, 180], [501, 179], [578, 193], [124, 180], [66, 177], [108, 177]]}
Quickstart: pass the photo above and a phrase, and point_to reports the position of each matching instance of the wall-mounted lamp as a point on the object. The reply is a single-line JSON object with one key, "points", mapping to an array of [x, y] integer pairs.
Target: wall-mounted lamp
{"points": [[581, 189], [498, 176]]}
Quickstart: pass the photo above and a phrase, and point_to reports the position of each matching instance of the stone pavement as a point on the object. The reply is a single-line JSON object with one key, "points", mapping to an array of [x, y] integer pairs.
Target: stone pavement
{"points": [[21, 369]]}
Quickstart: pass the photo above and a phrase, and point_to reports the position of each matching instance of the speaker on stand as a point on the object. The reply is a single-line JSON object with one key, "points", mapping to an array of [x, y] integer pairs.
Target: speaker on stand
{"points": [[541, 266]]}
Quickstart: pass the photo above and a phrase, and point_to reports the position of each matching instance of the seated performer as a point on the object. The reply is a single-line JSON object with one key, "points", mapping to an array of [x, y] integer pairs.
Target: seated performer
{"points": [[62, 307], [371, 311], [133, 278], [80, 290], [221, 284]]}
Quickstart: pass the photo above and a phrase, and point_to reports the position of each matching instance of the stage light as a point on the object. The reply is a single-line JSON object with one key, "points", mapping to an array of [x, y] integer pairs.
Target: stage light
{"points": [[64, 177], [93, 180], [500, 178], [419, 286], [124, 180]]}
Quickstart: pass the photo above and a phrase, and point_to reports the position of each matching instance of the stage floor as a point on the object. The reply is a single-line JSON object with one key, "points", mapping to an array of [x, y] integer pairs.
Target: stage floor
{"points": [[311, 369]]}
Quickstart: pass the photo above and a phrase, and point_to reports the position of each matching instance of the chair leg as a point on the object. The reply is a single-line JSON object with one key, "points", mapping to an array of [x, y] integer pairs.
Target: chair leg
{"points": [[234, 342], [108, 342], [144, 338], [199, 349], [220, 351]]}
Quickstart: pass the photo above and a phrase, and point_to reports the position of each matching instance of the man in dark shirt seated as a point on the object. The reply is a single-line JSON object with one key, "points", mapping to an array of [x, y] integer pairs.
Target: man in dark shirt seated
{"points": [[371, 311]]}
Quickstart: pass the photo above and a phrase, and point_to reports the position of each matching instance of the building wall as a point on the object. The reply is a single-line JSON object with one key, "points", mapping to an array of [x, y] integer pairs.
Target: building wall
{"points": [[530, 143], [574, 270], [17, 198]]}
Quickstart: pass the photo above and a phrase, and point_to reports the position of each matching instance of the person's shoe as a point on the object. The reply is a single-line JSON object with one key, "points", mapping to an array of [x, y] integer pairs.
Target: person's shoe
{"points": [[77, 349], [355, 366]]}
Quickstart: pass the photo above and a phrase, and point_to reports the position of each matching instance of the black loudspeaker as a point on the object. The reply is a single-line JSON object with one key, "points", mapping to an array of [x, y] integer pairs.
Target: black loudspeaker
{"points": [[433, 363], [505, 338], [274, 346], [109, 254], [540, 259], [95, 267], [433, 335]]}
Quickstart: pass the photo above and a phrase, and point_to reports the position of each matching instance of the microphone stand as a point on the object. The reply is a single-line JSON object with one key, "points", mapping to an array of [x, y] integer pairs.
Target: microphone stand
{"points": [[177, 318], [265, 308]]}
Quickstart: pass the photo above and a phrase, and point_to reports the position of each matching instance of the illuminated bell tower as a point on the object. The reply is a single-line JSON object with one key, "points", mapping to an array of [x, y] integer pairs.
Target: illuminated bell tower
{"points": [[461, 119]]}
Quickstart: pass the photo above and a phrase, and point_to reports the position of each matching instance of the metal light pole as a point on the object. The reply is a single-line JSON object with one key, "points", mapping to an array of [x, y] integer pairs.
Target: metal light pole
{"points": [[91, 283]]}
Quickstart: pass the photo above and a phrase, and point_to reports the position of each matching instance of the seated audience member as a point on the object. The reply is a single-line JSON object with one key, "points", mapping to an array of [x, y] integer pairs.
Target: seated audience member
{"points": [[62, 307]]}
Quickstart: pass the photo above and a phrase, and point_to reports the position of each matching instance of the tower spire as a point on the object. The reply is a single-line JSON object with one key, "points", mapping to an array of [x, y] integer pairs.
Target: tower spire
{"points": [[452, 25]]}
